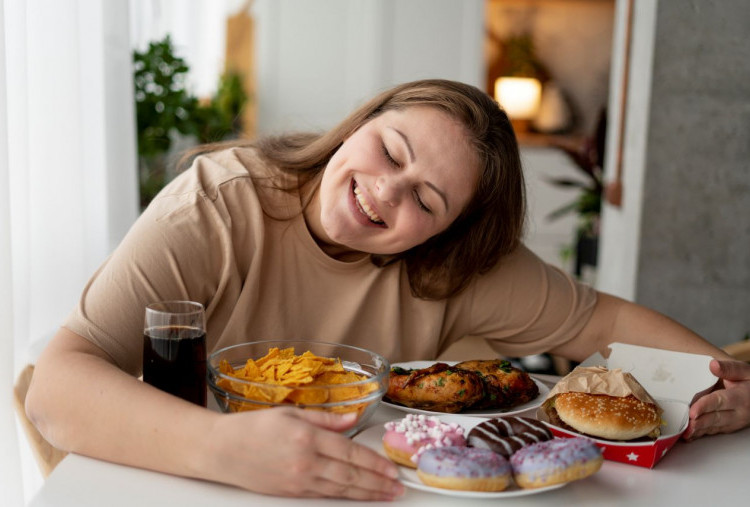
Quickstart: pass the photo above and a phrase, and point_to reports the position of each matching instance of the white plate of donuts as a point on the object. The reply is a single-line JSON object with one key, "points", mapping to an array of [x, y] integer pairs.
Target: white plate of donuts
{"points": [[472, 456], [528, 406]]}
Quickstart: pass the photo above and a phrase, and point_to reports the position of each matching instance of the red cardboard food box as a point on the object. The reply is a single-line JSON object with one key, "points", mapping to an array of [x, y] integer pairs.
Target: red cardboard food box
{"points": [[671, 378]]}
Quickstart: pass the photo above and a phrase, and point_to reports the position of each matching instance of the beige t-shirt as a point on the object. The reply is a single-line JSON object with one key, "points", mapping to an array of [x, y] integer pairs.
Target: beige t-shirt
{"points": [[212, 236]]}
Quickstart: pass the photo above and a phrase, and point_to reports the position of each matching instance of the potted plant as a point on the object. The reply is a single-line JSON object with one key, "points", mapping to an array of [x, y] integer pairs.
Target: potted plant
{"points": [[167, 114], [588, 157]]}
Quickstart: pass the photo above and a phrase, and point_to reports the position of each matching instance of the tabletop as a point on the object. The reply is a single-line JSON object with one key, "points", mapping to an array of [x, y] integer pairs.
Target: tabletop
{"points": [[705, 471]]}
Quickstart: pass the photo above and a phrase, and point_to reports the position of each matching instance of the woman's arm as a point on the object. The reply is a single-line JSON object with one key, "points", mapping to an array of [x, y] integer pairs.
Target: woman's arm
{"points": [[81, 402], [725, 409], [617, 320]]}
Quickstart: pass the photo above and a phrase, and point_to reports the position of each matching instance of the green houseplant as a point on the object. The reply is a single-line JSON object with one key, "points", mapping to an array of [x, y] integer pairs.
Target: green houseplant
{"points": [[588, 157], [167, 112]]}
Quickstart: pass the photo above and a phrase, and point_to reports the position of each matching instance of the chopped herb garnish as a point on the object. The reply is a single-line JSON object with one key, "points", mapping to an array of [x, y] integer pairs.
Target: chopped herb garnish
{"points": [[462, 392], [440, 382], [505, 366], [400, 371]]}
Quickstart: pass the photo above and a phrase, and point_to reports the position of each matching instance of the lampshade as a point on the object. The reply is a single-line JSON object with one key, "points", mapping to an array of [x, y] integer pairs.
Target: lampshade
{"points": [[519, 96]]}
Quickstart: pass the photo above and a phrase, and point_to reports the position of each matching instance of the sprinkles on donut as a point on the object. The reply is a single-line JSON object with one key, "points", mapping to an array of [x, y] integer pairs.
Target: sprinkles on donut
{"points": [[406, 438]]}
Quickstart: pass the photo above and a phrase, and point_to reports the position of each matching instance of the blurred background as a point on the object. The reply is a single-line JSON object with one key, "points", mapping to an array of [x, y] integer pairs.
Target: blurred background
{"points": [[632, 115]]}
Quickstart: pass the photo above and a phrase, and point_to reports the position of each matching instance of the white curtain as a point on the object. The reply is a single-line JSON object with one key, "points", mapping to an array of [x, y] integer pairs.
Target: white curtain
{"points": [[10, 476], [68, 185]]}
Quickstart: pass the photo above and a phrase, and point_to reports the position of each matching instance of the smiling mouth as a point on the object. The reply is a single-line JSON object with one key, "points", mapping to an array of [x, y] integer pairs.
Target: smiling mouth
{"points": [[364, 207]]}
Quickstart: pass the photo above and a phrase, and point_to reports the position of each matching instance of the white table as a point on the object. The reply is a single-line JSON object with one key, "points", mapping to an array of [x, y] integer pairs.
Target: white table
{"points": [[710, 471]]}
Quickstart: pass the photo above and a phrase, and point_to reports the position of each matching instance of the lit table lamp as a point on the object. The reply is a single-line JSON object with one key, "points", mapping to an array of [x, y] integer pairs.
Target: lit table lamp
{"points": [[520, 98]]}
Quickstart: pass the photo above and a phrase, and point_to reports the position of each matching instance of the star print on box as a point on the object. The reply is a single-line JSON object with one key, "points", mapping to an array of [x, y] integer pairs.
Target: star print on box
{"points": [[671, 378], [645, 453]]}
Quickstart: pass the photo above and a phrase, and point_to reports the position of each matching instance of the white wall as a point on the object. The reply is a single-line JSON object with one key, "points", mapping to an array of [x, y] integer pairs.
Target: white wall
{"points": [[318, 60], [620, 232]]}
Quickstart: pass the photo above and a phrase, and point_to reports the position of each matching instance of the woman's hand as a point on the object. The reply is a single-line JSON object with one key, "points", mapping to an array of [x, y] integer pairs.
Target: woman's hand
{"points": [[295, 452], [726, 408]]}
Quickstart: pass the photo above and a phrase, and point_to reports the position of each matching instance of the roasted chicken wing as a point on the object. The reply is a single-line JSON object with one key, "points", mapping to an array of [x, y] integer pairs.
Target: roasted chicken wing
{"points": [[439, 388], [505, 385]]}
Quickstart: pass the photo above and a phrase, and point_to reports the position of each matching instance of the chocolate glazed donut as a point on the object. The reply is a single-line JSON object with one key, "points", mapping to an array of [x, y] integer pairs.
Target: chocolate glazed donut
{"points": [[505, 435]]}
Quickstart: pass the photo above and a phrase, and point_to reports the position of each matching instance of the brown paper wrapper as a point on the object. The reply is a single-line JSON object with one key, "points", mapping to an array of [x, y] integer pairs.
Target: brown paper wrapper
{"points": [[601, 380]]}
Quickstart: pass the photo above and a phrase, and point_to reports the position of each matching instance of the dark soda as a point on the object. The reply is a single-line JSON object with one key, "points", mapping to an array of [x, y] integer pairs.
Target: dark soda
{"points": [[174, 360]]}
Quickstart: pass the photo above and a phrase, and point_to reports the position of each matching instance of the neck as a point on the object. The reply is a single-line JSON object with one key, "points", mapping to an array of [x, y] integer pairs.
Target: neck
{"points": [[311, 212]]}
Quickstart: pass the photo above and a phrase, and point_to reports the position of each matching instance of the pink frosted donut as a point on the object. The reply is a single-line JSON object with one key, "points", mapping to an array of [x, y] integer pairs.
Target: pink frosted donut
{"points": [[406, 438], [464, 468], [555, 461]]}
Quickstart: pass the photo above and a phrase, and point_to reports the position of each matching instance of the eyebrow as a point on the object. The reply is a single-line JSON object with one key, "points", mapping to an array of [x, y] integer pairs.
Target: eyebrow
{"points": [[413, 158], [408, 144]]}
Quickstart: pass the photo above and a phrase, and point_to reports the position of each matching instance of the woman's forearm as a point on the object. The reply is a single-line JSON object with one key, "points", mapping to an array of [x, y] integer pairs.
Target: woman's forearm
{"points": [[617, 320], [642, 326], [83, 403]]}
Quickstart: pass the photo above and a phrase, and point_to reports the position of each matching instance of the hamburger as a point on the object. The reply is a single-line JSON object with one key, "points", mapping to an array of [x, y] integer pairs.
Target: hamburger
{"points": [[607, 404]]}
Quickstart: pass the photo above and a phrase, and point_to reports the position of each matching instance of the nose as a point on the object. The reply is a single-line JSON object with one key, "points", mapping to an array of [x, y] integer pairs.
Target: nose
{"points": [[388, 189]]}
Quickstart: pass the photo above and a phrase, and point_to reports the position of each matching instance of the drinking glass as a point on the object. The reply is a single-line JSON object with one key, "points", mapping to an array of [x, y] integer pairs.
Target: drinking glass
{"points": [[174, 349]]}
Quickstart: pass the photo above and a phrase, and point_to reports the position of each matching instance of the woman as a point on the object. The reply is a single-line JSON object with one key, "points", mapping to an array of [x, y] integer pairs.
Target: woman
{"points": [[399, 231]]}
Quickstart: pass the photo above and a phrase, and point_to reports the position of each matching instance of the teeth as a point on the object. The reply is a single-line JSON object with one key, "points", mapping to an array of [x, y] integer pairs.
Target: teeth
{"points": [[366, 207]]}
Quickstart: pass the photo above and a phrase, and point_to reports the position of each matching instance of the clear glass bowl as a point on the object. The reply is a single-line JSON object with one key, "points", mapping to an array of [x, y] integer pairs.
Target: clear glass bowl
{"points": [[362, 396]]}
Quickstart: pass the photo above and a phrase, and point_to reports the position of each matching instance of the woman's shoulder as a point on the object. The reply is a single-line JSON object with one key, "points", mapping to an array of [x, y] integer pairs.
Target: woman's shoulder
{"points": [[520, 271], [520, 261], [211, 171], [215, 173]]}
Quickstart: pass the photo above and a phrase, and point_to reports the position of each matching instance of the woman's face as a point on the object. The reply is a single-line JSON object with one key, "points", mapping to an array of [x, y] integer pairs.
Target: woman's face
{"points": [[400, 179]]}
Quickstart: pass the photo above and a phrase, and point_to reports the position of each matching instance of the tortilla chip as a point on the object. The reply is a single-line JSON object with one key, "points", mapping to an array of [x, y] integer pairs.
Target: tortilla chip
{"points": [[289, 378]]}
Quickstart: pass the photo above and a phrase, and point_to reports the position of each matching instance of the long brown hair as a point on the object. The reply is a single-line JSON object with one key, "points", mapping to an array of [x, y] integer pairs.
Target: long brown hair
{"points": [[489, 227]]}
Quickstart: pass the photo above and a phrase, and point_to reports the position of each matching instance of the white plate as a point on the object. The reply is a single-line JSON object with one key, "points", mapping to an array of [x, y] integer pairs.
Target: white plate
{"points": [[415, 365], [373, 438]]}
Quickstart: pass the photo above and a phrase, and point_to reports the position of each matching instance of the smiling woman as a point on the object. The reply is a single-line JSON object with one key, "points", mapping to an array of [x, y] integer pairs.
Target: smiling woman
{"points": [[434, 162], [390, 175], [397, 231]]}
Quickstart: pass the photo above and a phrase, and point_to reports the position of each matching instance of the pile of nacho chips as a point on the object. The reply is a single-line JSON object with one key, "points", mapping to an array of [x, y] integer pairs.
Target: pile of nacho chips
{"points": [[283, 377]]}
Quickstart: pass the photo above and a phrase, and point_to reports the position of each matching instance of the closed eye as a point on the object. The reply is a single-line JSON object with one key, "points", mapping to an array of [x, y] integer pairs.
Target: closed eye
{"points": [[394, 163], [421, 204], [388, 156]]}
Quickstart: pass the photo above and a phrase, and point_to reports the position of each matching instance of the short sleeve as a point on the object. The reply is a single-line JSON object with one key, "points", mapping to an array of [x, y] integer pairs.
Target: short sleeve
{"points": [[178, 249], [526, 306]]}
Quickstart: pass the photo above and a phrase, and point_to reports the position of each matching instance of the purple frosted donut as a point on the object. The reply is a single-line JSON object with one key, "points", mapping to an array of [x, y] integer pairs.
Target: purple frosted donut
{"points": [[464, 468], [555, 461]]}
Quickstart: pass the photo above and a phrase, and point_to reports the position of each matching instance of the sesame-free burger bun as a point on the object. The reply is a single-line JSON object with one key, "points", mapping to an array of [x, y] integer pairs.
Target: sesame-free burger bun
{"points": [[608, 417]]}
